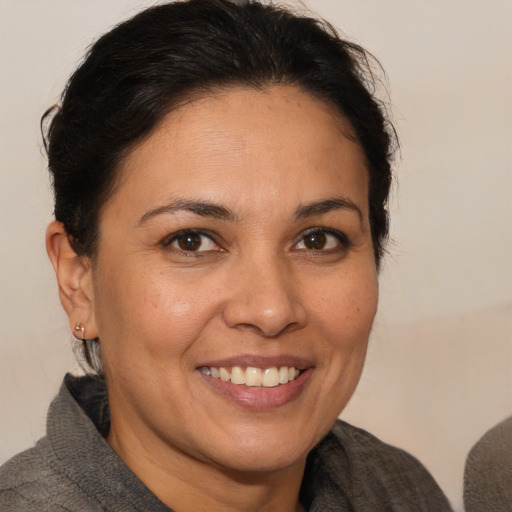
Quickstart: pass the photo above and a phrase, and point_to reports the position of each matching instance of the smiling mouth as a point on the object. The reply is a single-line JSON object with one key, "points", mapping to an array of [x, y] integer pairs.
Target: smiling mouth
{"points": [[252, 376]]}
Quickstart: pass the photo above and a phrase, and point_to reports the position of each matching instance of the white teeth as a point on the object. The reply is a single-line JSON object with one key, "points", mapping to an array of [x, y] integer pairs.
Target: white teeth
{"points": [[252, 376], [224, 374], [237, 375], [270, 378]]}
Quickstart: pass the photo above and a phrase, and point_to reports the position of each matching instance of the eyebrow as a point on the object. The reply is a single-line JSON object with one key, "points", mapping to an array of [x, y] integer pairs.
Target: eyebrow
{"points": [[216, 211], [202, 208], [326, 206]]}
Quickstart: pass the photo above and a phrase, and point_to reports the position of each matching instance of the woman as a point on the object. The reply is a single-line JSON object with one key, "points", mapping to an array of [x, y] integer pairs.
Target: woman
{"points": [[221, 173]]}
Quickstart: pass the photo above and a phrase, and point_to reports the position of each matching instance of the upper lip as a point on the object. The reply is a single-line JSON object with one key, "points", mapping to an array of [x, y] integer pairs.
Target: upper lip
{"points": [[258, 361]]}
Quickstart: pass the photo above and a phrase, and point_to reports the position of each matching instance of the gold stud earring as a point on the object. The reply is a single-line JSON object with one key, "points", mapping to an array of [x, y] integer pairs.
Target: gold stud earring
{"points": [[80, 328]]}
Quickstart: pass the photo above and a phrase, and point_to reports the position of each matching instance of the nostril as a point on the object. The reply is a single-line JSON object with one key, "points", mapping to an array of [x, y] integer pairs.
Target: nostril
{"points": [[265, 323], [268, 333]]}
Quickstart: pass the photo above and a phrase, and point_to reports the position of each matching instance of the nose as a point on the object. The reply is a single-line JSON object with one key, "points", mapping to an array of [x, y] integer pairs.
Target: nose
{"points": [[264, 297]]}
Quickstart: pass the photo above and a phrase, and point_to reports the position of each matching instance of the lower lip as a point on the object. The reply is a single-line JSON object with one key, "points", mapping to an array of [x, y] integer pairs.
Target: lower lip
{"points": [[260, 397]]}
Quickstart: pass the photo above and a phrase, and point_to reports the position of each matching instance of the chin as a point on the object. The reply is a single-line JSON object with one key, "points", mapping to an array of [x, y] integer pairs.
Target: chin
{"points": [[266, 452], [263, 461]]}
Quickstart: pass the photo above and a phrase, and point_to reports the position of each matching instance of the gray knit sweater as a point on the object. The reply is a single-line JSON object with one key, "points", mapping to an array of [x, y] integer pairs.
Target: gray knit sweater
{"points": [[488, 472], [73, 469]]}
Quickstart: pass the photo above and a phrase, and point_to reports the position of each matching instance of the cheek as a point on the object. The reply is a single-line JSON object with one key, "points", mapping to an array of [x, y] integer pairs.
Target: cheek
{"points": [[345, 314], [150, 315], [346, 310], [180, 308]]}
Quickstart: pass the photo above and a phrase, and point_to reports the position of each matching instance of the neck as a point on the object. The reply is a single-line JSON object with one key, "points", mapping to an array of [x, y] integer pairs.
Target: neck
{"points": [[187, 484]]}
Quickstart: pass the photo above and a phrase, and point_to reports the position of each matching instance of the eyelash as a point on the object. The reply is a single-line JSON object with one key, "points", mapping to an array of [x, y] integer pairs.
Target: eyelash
{"points": [[341, 237], [189, 232]]}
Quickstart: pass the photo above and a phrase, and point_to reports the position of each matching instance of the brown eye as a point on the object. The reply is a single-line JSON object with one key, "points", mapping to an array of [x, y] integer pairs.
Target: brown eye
{"points": [[323, 240], [315, 241], [189, 242]]}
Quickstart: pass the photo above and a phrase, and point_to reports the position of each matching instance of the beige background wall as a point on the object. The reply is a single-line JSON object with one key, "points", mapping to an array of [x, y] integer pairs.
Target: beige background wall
{"points": [[439, 368]]}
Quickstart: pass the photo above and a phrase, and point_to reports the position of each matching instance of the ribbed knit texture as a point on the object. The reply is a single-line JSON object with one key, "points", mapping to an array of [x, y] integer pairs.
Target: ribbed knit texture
{"points": [[73, 469]]}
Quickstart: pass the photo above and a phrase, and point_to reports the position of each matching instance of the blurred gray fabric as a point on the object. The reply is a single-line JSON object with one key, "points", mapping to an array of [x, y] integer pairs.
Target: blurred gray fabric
{"points": [[488, 471]]}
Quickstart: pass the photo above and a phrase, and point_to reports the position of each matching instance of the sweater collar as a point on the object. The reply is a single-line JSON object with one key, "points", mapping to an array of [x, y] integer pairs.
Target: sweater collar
{"points": [[76, 421]]}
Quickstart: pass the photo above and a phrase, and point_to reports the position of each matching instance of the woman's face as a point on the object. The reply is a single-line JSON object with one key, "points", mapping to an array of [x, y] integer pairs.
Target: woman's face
{"points": [[236, 248]]}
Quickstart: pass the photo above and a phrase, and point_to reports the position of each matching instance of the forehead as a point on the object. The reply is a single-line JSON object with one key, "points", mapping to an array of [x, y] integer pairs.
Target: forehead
{"points": [[247, 147]]}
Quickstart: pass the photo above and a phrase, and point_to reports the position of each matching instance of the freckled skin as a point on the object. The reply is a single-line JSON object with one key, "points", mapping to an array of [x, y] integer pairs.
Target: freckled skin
{"points": [[160, 313]]}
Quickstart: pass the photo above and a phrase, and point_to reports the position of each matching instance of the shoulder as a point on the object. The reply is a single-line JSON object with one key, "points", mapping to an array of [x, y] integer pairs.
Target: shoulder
{"points": [[30, 483], [488, 471], [368, 474], [369, 450], [22, 478]]}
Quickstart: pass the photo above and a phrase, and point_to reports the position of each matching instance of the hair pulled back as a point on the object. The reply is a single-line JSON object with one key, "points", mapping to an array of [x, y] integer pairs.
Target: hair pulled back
{"points": [[135, 74]]}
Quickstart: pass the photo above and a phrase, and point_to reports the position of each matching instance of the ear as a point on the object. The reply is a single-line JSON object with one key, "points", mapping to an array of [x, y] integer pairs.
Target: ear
{"points": [[74, 278]]}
